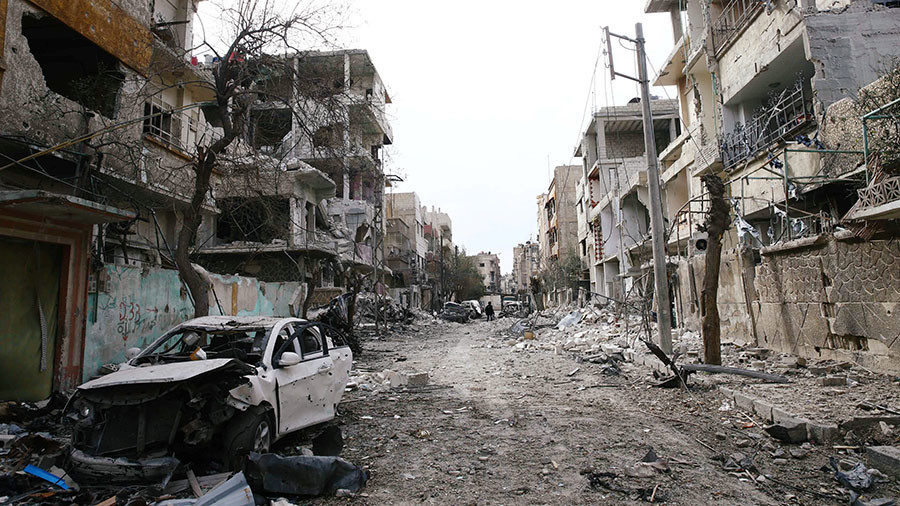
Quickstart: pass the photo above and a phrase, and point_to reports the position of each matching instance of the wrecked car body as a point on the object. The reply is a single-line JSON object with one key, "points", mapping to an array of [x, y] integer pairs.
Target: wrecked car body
{"points": [[227, 384]]}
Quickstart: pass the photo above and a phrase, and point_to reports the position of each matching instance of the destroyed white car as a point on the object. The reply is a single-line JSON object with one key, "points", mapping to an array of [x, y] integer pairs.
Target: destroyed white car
{"points": [[217, 386]]}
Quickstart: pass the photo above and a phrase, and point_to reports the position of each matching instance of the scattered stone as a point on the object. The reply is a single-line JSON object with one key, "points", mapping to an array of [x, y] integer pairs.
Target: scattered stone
{"points": [[721, 436], [743, 443], [885, 458], [758, 364], [779, 461], [834, 381], [417, 379], [793, 362], [823, 433], [886, 429], [799, 453]]}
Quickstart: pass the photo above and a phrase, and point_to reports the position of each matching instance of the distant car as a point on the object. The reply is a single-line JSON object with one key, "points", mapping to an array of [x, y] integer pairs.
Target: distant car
{"points": [[226, 383], [475, 308], [455, 312]]}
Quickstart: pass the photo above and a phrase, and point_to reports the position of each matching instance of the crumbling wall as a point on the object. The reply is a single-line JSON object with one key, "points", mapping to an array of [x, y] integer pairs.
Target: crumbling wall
{"points": [[132, 306], [850, 47], [833, 299]]}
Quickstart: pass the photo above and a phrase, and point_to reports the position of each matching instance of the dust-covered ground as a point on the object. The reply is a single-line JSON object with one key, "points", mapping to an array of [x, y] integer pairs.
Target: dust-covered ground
{"points": [[495, 426]]}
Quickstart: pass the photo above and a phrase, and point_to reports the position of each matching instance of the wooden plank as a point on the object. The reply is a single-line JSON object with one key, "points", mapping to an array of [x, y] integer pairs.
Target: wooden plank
{"points": [[195, 485]]}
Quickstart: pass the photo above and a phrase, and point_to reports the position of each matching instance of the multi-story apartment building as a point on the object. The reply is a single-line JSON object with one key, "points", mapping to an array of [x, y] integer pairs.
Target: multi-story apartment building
{"points": [[98, 219], [78, 69], [557, 223], [765, 102], [488, 265], [613, 209], [439, 235], [526, 265], [408, 207]]}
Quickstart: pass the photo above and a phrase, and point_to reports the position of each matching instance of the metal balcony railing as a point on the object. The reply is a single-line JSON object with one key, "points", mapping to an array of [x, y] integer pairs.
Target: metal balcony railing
{"points": [[784, 114], [734, 16]]}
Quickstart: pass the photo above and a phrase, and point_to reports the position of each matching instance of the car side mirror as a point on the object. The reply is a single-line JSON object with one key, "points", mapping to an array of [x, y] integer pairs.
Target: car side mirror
{"points": [[130, 353], [288, 359]]}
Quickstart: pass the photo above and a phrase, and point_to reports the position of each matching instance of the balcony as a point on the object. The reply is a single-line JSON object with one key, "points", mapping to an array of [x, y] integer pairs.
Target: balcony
{"points": [[734, 17], [784, 114], [878, 201]]}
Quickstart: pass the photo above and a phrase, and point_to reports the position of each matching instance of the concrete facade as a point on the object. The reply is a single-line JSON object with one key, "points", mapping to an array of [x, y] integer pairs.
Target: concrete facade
{"points": [[766, 103], [613, 206], [488, 265], [526, 265]]}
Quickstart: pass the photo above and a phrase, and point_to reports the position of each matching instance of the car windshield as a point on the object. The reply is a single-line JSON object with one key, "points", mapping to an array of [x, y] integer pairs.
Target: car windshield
{"points": [[245, 344]]}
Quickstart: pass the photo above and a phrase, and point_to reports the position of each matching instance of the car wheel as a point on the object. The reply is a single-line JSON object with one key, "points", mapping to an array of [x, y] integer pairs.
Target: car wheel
{"points": [[250, 431]]}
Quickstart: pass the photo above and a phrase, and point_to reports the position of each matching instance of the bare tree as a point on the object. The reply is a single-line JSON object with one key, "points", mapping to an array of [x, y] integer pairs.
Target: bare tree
{"points": [[715, 226]]}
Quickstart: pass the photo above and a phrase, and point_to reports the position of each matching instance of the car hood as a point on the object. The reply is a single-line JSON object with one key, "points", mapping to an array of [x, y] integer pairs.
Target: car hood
{"points": [[167, 373]]}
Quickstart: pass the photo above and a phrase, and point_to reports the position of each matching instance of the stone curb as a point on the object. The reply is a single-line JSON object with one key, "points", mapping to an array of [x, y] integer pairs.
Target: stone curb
{"points": [[816, 431]]}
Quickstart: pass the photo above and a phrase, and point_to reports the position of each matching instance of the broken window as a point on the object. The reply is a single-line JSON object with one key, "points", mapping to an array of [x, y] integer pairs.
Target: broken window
{"points": [[270, 126], [160, 122], [330, 136], [73, 66], [263, 220]]}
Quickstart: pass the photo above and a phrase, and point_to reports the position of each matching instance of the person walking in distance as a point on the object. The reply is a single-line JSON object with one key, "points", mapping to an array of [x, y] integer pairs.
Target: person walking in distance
{"points": [[489, 311]]}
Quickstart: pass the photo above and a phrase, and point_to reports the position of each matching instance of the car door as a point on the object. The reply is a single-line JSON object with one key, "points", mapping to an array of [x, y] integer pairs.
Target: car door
{"points": [[321, 384], [342, 358], [301, 400]]}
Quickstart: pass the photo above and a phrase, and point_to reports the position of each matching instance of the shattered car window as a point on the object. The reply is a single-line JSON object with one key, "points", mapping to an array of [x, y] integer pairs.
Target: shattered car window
{"points": [[246, 345]]}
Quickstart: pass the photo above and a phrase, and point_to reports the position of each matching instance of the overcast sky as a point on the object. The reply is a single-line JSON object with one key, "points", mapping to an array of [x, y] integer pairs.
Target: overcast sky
{"points": [[487, 94]]}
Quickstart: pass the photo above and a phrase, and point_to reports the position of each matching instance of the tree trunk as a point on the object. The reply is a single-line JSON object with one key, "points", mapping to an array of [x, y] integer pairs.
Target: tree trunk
{"points": [[716, 224], [187, 235]]}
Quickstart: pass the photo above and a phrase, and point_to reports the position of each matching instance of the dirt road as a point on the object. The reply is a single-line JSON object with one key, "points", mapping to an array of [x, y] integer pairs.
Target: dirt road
{"points": [[500, 427]]}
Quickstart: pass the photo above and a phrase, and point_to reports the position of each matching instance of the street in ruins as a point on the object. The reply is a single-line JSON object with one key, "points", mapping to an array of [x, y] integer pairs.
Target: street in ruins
{"points": [[283, 252]]}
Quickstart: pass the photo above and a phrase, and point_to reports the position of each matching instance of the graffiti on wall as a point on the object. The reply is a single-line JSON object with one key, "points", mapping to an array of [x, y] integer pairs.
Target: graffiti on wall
{"points": [[134, 319]]}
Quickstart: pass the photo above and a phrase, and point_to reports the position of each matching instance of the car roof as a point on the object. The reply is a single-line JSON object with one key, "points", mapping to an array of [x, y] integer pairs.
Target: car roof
{"points": [[235, 322]]}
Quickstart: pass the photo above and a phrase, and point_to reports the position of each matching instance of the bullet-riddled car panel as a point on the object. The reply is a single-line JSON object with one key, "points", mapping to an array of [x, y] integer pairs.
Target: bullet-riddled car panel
{"points": [[234, 384]]}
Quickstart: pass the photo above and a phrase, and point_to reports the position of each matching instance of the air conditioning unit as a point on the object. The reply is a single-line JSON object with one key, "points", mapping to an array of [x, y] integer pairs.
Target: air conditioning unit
{"points": [[699, 241]]}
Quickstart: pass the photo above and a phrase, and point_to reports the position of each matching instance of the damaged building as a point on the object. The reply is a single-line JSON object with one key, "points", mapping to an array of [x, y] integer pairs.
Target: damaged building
{"points": [[408, 247], [612, 199], [766, 90], [558, 228], [104, 114], [526, 265]]}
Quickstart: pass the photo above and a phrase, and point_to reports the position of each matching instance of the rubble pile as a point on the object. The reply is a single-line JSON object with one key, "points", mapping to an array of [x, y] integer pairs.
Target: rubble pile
{"points": [[384, 380]]}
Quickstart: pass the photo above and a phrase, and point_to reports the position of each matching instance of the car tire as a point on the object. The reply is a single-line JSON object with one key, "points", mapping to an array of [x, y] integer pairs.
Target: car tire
{"points": [[250, 431]]}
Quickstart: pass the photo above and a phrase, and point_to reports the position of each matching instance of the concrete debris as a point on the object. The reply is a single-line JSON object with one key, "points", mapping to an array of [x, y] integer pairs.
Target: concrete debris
{"points": [[789, 431], [885, 458]]}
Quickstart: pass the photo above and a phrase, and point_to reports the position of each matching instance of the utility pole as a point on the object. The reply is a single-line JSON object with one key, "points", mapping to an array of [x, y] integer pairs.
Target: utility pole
{"points": [[657, 230]]}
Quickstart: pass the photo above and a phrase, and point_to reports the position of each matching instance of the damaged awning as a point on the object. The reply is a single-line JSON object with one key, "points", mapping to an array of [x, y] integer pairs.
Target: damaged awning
{"points": [[61, 207]]}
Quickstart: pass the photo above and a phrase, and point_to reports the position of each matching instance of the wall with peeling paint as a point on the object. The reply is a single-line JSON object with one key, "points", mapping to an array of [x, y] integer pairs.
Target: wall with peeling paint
{"points": [[132, 306]]}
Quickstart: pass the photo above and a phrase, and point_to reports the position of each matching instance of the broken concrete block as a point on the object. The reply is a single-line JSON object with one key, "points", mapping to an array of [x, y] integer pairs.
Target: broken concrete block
{"points": [[763, 409], [833, 381], [744, 402], [862, 424], [781, 416], [394, 379], [885, 458], [793, 362], [758, 365], [417, 379], [822, 433], [789, 432]]}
